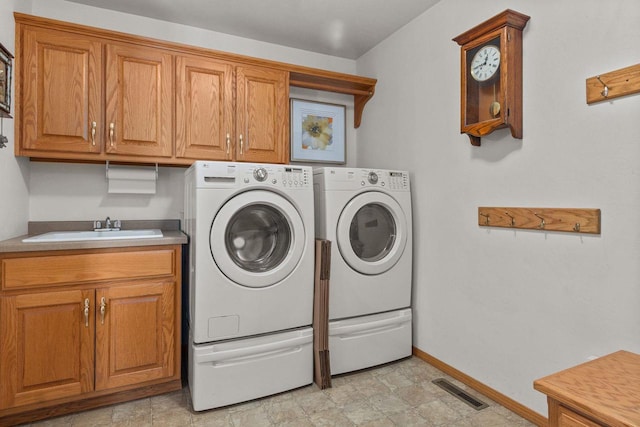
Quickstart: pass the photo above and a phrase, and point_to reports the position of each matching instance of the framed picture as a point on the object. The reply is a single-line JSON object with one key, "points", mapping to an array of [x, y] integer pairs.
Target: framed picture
{"points": [[318, 132], [5, 82]]}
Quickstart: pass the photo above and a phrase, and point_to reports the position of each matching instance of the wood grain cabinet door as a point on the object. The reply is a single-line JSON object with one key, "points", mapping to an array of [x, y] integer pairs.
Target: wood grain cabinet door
{"points": [[204, 109], [135, 334], [47, 346], [262, 115], [139, 101], [61, 99]]}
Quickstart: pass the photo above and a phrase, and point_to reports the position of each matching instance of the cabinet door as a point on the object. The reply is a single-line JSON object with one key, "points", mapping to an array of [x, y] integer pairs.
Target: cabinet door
{"points": [[204, 108], [262, 115], [139, 90], [61, 103], [47, 346], [136, 336]]}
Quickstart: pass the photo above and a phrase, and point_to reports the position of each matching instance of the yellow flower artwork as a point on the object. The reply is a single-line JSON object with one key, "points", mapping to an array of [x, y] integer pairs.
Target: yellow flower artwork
{"points": [[317, 132]]}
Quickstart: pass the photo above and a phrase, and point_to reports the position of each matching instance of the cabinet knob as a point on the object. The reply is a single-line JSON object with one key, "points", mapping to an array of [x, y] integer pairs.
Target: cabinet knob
{"points": [[228, 143], [241, 144]]}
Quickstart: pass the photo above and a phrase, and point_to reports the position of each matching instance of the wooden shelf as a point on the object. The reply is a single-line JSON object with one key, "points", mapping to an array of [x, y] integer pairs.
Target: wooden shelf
{"points": [[546, 219], [362, 88]]}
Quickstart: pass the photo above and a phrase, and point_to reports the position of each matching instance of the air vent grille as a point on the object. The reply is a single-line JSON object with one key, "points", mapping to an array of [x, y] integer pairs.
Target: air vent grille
{"points": [[459, 393]]}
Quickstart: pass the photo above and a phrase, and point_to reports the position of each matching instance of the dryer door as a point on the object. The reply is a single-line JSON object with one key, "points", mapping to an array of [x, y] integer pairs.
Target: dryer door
{"points": [[257, 238], [372, 232]]}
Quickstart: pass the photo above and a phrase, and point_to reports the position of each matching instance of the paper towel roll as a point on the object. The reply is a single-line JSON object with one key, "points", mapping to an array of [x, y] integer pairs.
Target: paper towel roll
{"points": [[131, 180]]}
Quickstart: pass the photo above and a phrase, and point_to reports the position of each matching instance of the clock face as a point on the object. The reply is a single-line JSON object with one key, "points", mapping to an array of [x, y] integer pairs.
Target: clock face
{"points": [[485, 63]]}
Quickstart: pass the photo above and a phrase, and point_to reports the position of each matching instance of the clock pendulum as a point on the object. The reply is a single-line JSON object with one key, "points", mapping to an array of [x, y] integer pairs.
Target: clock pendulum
{"points": [[494, 108]]}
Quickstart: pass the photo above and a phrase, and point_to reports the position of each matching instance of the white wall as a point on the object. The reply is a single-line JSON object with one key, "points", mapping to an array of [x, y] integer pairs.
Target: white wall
{"points": [[61, 191], [14, 174], [504, 306]]}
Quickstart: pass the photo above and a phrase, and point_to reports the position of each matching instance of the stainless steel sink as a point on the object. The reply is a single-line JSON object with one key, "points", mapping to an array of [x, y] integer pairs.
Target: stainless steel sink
{"points": [[71, 236]]}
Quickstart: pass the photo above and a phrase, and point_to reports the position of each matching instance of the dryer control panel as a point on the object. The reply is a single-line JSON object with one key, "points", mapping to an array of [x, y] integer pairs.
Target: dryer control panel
{"points": [[384, 178], [349, 179]]}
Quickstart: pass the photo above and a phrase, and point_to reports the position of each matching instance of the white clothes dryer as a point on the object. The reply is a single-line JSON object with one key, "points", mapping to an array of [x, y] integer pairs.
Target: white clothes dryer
{"points": [[366, 214], [251, 273]]}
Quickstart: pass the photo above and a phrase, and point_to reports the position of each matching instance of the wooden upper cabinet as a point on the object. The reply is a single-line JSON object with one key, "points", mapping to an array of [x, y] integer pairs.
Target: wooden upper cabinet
{"points": [[139, 101], [262, 115], [211, 93], [204, 108], [61, 92], [89, 94]]}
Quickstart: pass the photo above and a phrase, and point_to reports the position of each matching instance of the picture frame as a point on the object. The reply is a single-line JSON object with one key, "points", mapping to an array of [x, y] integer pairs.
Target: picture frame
{"points": [[318, 132], [5, 82]]}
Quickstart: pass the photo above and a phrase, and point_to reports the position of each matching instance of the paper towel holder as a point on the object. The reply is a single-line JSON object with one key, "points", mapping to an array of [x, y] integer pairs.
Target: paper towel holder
{"points": [[106, 170]]}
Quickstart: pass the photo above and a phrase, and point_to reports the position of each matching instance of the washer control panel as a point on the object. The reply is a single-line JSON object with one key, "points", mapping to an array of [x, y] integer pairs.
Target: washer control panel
{"points": [[293, 177], [281, 176]]}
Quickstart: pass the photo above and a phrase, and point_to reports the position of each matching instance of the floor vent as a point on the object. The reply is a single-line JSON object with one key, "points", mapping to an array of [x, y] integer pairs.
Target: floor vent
{"points": [[460, 394]]}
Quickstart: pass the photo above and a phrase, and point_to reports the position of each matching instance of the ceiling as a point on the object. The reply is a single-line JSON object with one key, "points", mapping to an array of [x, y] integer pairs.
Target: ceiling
{"points": [[343, 28]]}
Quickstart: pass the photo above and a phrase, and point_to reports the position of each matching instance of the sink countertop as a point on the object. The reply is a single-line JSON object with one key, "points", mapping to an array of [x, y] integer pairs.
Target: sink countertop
{"points": [[170, 230]]}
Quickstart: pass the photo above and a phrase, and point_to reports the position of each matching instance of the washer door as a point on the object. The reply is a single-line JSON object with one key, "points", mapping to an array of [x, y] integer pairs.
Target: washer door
{"points": [[257, 238], [372, 233]]}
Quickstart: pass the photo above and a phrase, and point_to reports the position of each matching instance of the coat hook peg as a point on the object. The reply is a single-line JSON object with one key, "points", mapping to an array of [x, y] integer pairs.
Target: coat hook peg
{"points": [[605, 91], [486, 216], [513, 220], [541, 220], [576, 227]]}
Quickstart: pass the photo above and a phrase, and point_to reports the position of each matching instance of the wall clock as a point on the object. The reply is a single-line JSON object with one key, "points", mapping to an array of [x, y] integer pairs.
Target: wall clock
{"points": [[491, 76]]}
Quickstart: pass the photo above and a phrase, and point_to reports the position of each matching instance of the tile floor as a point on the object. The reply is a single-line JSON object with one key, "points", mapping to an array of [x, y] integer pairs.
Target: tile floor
{"points": [[397, 394]]}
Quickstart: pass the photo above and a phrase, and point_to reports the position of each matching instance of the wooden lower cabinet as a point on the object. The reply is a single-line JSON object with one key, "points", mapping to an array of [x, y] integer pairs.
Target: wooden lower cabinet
{"points": [[603, 392], [47, 349], [85, 342], [135, 336]]}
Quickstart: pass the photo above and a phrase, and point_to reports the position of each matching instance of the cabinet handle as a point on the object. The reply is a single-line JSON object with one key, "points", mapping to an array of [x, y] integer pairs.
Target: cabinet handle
{"points": [[241, 144], [103, 309], [228, 143], [93, 133], [86, 312], [112, 127]]}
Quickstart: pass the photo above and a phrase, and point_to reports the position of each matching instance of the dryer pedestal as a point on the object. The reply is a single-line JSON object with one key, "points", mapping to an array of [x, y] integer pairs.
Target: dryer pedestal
{"points": [[366, 341]]}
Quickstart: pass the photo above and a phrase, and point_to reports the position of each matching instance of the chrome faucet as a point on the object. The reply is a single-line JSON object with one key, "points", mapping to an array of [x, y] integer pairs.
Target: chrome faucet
{"points": [[108, 225]]}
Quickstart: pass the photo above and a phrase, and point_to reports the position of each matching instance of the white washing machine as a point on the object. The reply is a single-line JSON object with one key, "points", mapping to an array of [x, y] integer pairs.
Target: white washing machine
{"points": [[251, 272], [366, 214]]}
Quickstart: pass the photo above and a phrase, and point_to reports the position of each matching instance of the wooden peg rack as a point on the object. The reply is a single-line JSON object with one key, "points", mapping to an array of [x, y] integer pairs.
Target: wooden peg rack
{"points": [[614, 84], [546, 219]]}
